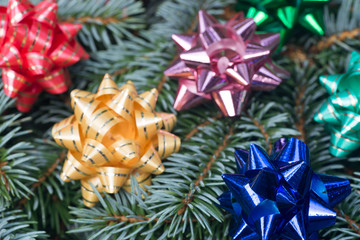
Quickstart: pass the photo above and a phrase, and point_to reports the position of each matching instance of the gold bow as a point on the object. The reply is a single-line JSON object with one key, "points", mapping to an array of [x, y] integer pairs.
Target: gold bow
{"points": [[113, 134]]}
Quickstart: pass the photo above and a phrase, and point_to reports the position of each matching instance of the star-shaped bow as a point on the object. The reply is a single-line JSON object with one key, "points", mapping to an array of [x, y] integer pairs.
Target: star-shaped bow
{"points": [[341, 112], [279, 196], [35, 48], [113, 134], [283, 16], [224, 62]]}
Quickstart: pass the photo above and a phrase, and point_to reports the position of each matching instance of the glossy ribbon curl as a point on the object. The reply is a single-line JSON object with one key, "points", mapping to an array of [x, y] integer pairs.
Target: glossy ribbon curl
{"points": [[224, 62], [113, 134], [279, 196], [341, 112], [35, 49], [283, 16]]}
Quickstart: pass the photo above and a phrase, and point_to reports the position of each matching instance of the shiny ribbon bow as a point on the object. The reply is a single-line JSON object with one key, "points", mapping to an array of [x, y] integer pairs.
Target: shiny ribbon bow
{"points": [[113, 134], [224, 62], [279, 196], [35, 48], [341, 112], [282, 16]]}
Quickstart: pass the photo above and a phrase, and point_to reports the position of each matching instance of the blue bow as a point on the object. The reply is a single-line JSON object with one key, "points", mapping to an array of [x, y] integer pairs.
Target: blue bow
{"points": [[279, 196]]}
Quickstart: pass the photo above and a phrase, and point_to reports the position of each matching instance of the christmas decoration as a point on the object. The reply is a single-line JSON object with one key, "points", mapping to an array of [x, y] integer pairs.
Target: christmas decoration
{"points": [[340, 113], [224, 62], [35, 49], [283, 16], [279, 196], [113, 134]]}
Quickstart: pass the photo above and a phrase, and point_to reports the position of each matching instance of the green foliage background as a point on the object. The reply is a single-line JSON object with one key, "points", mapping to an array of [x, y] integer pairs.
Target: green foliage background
{"points": [[132, 41]]}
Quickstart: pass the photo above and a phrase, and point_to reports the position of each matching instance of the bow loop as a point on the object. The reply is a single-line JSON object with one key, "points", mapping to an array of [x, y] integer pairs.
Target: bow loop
{"points": [[27, 97], [70, 30], [46, 13], [17, 35], [17, 10], [37, 64], [112, 178], [4, 24], [14, 82], [62, 55], [69, 136], [287, 16], [39, 39], [56, 82], [10, 57]]}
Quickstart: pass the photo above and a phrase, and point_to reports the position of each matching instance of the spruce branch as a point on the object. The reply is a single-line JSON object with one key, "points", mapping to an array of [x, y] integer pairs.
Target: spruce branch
{"points": [[297, 53], [305, 93], [144, 57], [120, 43], [191, 121], [339, 37], [201, 125], [347, 224], [193, 180], [300, 106], [50, 170], [16, 167], [44, 176], [49, 205], [263, 132], [352, 223], [99, 20], [190, 196], [342, 25], [104, 22], [15, 226]]}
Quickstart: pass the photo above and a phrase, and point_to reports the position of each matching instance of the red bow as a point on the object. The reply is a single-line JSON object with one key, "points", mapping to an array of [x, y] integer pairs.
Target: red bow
{"points": [[35, 48]]}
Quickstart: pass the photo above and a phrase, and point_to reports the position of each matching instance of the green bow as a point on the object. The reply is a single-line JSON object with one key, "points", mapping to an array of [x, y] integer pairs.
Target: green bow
{"points": [[341, 112], [282, 15]]}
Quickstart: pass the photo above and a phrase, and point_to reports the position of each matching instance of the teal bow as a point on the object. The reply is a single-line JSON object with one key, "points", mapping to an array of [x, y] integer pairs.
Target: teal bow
{"points": [[341, 112]]}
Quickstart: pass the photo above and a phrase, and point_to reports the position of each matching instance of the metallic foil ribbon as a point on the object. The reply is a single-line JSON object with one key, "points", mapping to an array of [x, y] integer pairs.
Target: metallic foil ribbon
{"points": [[279, 196], [285, 15], [341, 112], [113, 134], [224, 62], [35, 49]]}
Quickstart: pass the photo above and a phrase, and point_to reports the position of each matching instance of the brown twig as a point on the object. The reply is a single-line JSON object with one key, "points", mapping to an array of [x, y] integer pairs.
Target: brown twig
{"points": [[121, 218], [201, 125], [41, 179], [352, 224], [327, 42], [190, 195], [50, 170], [297, 53], [127, 219], [89, 19], [229, 12], [3, 164], [120, 71], [263, 132], [300, 106]]}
